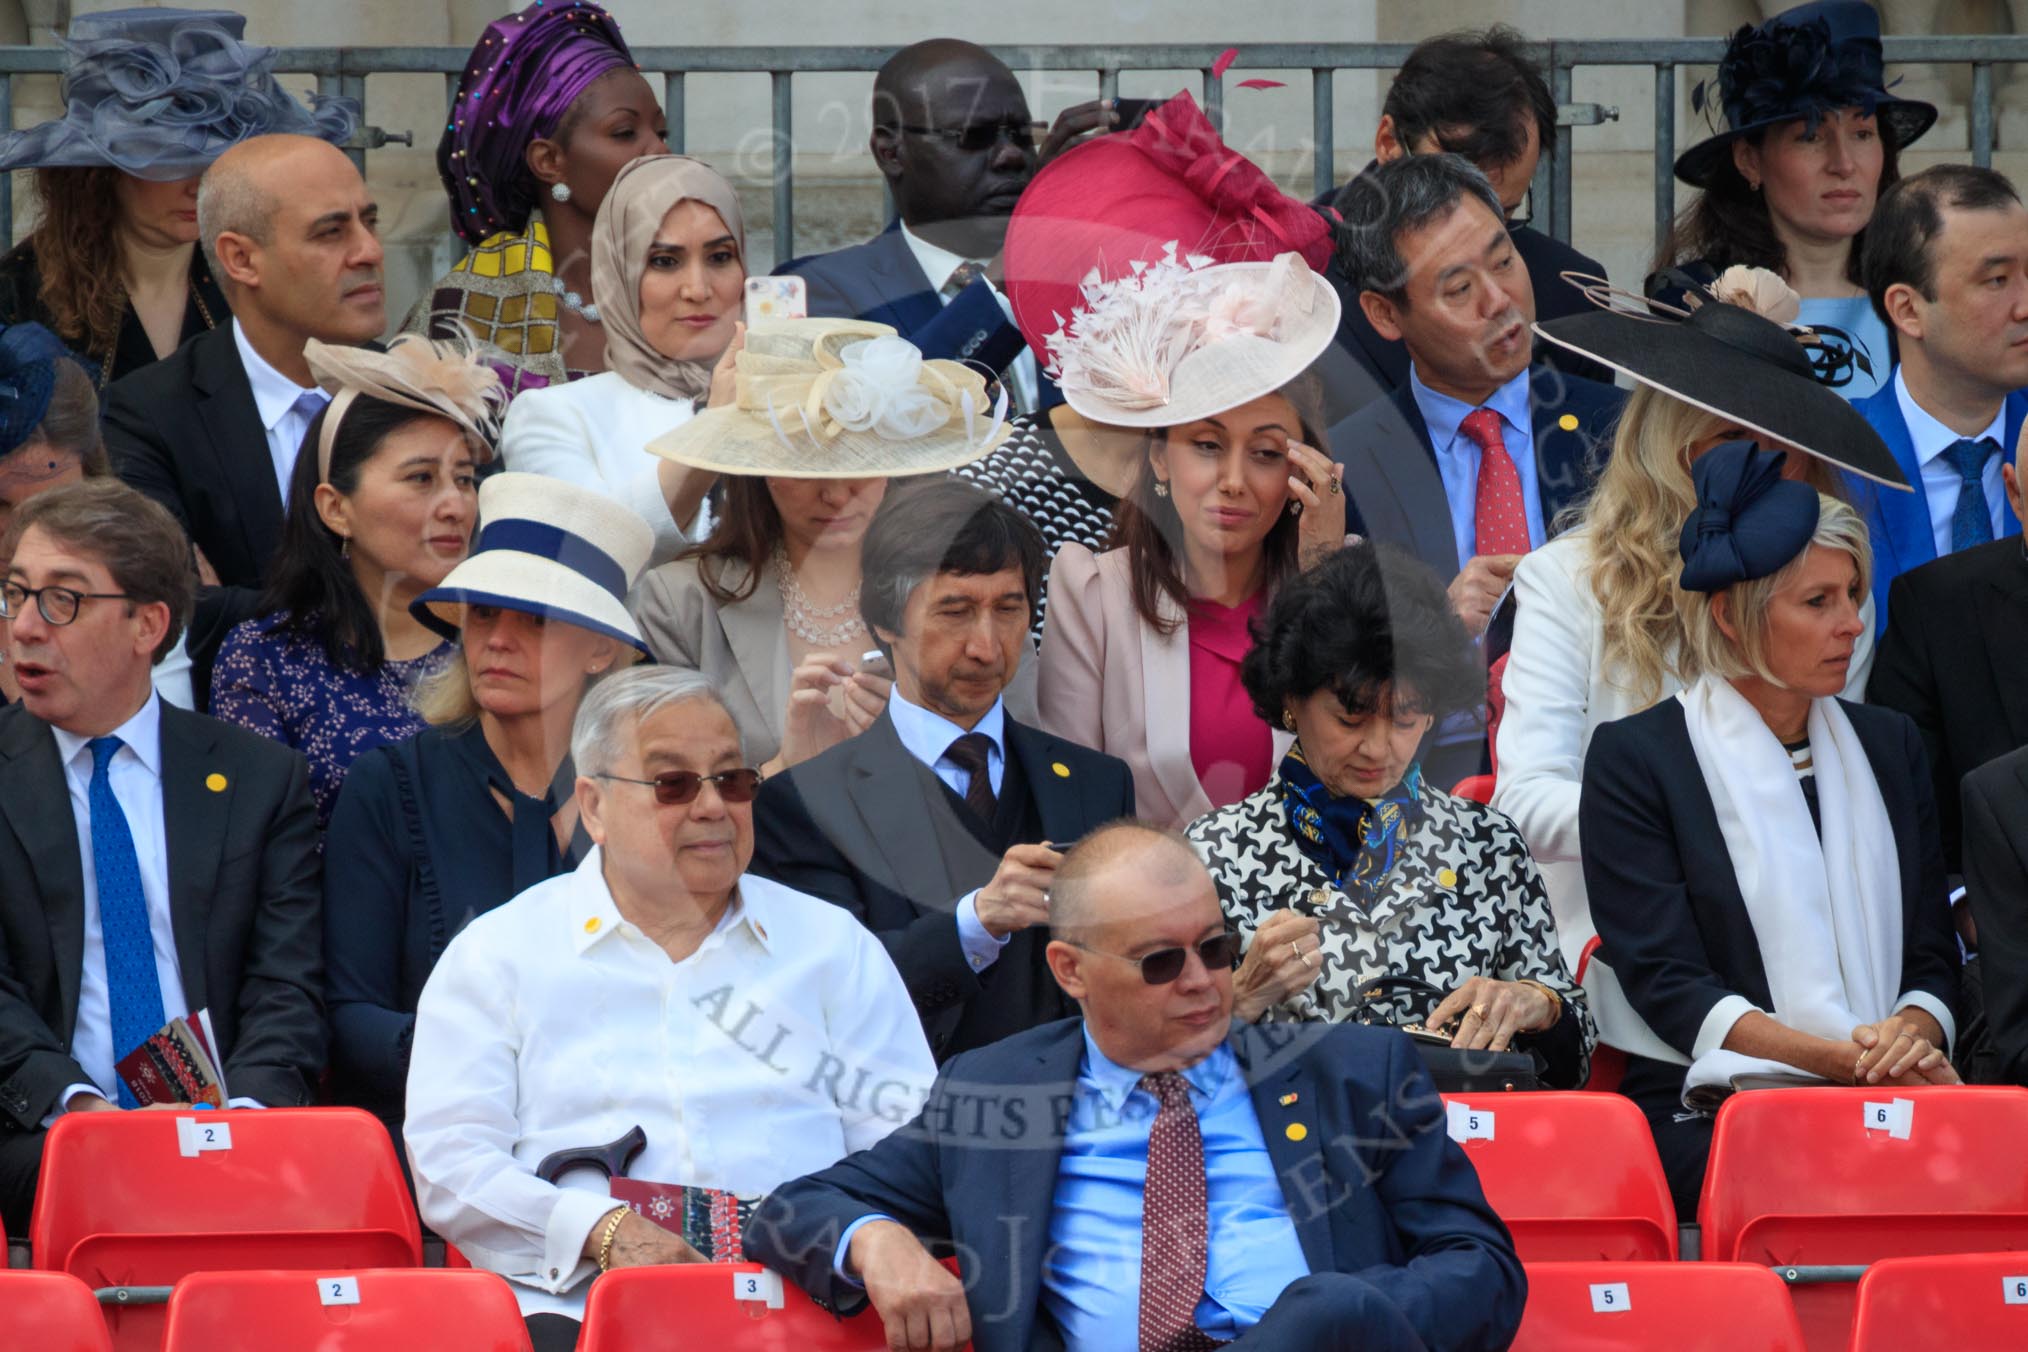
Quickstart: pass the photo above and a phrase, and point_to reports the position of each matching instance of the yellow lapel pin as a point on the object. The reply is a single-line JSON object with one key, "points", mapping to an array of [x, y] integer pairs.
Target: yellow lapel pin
{"points": [[1447, 878], [1568, 422], [1062, 770], [1296, 1131], [591, 926], [215, 782], [1286, 1100]]}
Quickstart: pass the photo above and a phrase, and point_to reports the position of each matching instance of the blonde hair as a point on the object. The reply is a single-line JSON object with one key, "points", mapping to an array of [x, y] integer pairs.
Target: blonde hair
{"points": [[1632, 521], [1839, 528], [444, 698]]}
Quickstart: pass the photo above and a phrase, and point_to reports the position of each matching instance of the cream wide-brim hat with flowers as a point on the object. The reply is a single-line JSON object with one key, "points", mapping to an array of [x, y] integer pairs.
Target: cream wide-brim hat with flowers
{"points": [[840, 399]]}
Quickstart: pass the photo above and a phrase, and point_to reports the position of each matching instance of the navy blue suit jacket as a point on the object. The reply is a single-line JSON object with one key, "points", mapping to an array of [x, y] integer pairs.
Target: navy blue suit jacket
{"points": [[880, 281], [1663, 892], [1396, 494], [1378, 1191], [1899, 522]]}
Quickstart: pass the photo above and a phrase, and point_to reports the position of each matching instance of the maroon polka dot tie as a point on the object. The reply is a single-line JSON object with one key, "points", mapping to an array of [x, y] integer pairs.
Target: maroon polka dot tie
{"points": [[1499, 514], [1173, 1244]]}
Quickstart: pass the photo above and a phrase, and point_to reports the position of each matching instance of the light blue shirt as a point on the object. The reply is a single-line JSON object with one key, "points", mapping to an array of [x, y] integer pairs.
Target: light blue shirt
{"points": [[927, 735], [1458, 456], [1091, 1276], [1853, 317], [1940, 480], [1091, 1280]]}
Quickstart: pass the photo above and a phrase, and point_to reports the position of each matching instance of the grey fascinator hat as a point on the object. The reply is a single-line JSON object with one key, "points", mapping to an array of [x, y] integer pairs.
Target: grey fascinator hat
{"points": [[161, 93]]}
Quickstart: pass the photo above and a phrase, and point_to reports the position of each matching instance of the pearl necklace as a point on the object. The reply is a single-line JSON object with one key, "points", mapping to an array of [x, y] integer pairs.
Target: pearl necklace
{"points": [[806, 621]]}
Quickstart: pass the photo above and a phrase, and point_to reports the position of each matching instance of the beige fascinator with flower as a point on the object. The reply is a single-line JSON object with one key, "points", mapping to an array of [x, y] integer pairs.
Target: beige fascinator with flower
{"points": [[840, 399], [1185, 338], [443, 377]]}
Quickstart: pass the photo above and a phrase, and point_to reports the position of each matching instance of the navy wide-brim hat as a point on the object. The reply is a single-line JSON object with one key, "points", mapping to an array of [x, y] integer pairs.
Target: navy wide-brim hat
{"points": [[1740, 366], [161, 93], [1803, 63]]}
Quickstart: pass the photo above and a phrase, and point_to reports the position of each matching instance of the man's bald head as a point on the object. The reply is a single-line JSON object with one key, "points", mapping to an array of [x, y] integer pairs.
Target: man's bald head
{"points": [[1121, 870], [953, 137], [916, 76], [291, 232]]}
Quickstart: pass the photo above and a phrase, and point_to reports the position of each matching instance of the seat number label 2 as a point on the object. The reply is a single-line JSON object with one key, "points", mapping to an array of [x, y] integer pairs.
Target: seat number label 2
{"points": [[195, 1135], [1610, 1298], [338, 1290]]}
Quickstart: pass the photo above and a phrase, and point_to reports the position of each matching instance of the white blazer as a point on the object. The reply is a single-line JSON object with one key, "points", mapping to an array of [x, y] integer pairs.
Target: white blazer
{"points": [[594, 432], [1558, 693]]}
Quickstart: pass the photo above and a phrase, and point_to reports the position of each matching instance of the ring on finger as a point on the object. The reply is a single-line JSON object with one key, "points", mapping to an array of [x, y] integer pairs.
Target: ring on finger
{"points": [[1478, 1012], [1331, 485]]}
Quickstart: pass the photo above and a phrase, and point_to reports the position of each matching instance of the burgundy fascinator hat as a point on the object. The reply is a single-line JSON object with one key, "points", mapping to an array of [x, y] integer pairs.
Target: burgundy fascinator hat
{"points": [[523, 75], [1162, 276]]}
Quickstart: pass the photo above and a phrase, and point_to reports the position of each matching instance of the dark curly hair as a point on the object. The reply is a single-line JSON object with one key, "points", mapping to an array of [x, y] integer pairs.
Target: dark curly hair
{"points": [[1368, 621]]}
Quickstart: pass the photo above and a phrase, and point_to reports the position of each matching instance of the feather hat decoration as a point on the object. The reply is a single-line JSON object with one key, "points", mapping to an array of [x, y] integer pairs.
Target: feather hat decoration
{"points": [[446, 377]]}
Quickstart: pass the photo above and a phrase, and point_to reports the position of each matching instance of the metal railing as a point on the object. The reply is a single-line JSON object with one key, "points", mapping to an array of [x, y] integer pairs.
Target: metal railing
{"points": [[344, 70]]}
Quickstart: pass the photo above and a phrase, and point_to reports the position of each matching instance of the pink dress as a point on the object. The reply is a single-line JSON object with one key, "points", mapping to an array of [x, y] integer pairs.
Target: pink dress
{"points": [[1230, 748]]}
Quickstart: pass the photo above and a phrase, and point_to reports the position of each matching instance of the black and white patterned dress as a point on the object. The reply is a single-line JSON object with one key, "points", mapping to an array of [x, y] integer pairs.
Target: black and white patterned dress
{"points": [[1034, 474], [1463, 900]]}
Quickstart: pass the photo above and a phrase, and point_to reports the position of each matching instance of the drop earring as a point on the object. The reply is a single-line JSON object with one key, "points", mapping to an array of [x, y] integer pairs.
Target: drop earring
{"points": [[1288, 720], [1161, 489], [345, 548], [560, 191]]}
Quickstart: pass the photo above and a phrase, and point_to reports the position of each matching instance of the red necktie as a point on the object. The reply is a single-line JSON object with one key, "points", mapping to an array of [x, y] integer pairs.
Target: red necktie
{"points": [[1174, 1248], [1499, 515]]}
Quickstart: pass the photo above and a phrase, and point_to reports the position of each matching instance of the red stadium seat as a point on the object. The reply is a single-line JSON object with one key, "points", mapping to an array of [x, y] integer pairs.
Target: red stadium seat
{"points": [[120, 1204], [678, 1309], [1958, 1300], [1574, 1175], [1632, 1307], [50, 1312], [395, 1310], [1478, 788], [1812, 1178]]}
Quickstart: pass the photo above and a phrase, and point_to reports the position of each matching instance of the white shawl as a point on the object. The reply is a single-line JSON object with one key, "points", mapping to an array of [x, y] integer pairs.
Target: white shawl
{"points": [[1827, 914]]}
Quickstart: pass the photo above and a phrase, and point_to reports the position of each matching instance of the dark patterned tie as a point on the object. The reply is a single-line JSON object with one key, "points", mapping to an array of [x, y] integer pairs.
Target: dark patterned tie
{"points": [[962, 276], [1972, 522], [133, 990], [968, 753], [1174, 1247]]}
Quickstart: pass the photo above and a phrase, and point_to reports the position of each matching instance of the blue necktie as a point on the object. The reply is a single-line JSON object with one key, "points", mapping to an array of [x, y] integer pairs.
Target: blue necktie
{"points": [[132, 988], [1972, 521]]}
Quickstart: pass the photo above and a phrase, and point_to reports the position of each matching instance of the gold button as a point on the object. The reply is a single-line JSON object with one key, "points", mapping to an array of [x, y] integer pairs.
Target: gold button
{"points": [[1446, 878], [1568, 422], [1062, 770], [215, 782], [1296, 1131], [591, 926]]}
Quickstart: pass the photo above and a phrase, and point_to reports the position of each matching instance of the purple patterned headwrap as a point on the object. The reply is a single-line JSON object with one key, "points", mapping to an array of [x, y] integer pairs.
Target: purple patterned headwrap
{"points": [[525, 72]]}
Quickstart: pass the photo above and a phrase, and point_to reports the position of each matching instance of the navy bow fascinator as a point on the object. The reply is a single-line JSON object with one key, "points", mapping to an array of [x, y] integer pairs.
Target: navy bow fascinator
{"points": [[28, 357], [1748, 522]]}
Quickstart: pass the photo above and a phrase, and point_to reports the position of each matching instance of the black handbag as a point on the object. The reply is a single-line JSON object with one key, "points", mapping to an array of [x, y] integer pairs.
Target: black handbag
{"points": [[1455, 1071]]}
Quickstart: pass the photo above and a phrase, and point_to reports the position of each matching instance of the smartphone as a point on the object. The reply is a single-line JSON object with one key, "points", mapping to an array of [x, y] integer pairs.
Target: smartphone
{"points": [[1133, 111], [776, 298]]}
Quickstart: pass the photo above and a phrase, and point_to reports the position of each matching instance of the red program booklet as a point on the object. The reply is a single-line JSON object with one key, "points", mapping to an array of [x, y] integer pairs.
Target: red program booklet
{"points": [[176, 1065]]}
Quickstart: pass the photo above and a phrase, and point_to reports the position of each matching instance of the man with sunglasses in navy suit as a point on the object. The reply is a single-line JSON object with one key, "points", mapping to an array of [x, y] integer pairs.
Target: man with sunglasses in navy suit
{"points": [[1152, 1175], [953, 140], [935, 826]]}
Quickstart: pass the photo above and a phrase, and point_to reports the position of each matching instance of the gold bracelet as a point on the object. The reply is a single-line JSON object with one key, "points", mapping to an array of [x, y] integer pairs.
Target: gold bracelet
{"points": [[1555, 1000], [606, 1239]]}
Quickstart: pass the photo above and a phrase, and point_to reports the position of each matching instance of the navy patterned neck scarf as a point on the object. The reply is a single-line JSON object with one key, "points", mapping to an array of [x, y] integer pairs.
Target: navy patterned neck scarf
{"points": [[1352, 840]]}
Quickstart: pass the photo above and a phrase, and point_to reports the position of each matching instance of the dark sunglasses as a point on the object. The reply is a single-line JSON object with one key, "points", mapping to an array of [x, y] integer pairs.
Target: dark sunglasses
{"points": [[1159, 968], [977, 136], [674, 788]]}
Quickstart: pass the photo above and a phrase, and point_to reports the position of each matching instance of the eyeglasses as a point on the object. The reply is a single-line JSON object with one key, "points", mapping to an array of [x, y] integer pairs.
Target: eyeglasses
{"points": [[1159, 968], [977, 136], [677, 787], [58, 605]]}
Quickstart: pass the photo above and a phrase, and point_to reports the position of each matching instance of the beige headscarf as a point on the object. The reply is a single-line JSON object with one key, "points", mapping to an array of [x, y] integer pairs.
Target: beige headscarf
{"points": [[643, 193]]}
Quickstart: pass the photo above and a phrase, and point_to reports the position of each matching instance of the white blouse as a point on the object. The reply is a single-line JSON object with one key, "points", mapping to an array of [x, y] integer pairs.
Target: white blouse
{"points": [[1557, 694], [594, 432], [784, 1043]]}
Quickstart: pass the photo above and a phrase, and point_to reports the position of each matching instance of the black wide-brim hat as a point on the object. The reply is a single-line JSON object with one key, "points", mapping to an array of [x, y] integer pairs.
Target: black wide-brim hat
{"points": [[1738, 365], [1803, 63]]}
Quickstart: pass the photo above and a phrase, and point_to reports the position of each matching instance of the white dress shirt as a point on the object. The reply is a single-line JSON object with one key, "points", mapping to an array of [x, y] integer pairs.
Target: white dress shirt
{"points": [[927, 736], [937, 264], [135, 773], [784, 1043], [286, 409], [594, 433], [1940, 478]]}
